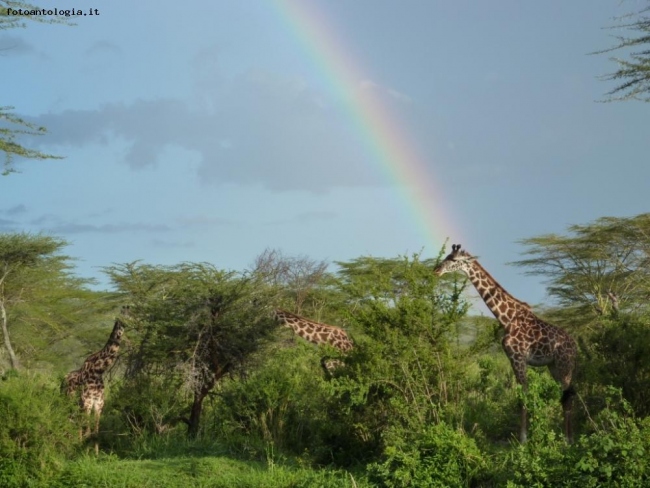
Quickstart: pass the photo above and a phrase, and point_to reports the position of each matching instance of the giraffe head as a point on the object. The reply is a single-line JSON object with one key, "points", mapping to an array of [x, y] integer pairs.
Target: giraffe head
{"points": [[284, 318], [277, 314], [120, 324], [457, 260]]}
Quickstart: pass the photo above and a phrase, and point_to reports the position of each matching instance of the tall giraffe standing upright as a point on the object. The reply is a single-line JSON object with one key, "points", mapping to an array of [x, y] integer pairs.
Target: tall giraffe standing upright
{"points": [[528, 339], [317, 333], [90, 376]]}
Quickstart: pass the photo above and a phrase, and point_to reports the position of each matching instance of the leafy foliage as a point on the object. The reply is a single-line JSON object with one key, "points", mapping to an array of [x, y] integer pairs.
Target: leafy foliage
{"points": [[425, 398], [599, 269], [400, 374], [284, 404], [437, 457], [614, 454], [620, 358], [11, 128], [36, 434], [40, 297], [633, 73], [10, 21], [193, 325]]}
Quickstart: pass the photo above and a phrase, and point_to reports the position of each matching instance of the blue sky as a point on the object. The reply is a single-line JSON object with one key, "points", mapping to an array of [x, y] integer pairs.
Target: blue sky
{"points": [[205, 131]]}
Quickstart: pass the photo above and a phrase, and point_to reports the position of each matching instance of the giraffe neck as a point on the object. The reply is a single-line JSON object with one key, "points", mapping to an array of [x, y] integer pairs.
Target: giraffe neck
{"points": [[305, 329], [104, 359], [313, 331], [504, 306], [113, 343]]}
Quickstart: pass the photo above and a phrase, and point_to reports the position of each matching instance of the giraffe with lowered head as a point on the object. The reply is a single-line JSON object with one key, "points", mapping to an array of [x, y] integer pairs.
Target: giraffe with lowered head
{"points": [[528, 339], [90, 377], [316, 333]]}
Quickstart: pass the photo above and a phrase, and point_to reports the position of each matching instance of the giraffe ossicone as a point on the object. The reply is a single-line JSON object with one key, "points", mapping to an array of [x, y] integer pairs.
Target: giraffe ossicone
{"points": [[528, 340]]}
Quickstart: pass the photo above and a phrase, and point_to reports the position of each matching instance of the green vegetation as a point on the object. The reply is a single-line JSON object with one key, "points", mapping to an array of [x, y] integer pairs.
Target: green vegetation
{"points": [[209, 391], [633, 73], [13, 127]]}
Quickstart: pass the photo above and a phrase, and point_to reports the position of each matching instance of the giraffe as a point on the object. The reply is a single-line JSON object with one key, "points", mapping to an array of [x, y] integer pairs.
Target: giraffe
{"points": [[318, 334], [528, 340], [90, 376]]}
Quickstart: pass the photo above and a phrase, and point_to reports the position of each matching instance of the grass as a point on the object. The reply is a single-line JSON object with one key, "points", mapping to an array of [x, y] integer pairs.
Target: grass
{"points": [[200, 472]]}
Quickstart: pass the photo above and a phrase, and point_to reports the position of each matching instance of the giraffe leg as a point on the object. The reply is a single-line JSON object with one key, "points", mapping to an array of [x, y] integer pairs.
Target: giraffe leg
{"points": [[523, 430], [563, 376], [86, 407], [519, 367], [567, 408], [99, 406]]}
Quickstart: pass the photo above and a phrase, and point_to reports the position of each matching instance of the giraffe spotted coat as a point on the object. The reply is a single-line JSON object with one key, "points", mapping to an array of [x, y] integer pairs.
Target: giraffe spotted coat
{"points": [[89, 378], [316, 333], [528, 340]]}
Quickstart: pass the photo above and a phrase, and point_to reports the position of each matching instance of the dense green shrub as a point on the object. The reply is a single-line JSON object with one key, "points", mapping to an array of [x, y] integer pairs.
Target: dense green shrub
{"points": [[614, 453], [440, 457], [404, 373], [283, 405], [140, 408], [39, 429], [489, 406], [622, 359]]}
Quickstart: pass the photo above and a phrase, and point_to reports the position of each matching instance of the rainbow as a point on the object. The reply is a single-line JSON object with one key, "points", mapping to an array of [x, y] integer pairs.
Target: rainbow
{"points": [[386, 140]]}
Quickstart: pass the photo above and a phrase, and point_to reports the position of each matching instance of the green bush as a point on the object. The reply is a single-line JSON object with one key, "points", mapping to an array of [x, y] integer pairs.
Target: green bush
{"points": [[614, 453], [622, 360], [489, 405], [281, 406], [38, 431], [138, 410], [438, 457]]}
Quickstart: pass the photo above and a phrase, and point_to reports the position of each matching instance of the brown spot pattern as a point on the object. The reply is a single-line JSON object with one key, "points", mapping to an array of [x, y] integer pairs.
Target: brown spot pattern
{"points": [[316, 333], [528, 339]]}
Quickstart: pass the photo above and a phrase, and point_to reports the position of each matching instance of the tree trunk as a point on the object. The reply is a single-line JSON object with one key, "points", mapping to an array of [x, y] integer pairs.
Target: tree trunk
{"points": [[195, 413], [199, 396], [197, 407], [5, 332]]}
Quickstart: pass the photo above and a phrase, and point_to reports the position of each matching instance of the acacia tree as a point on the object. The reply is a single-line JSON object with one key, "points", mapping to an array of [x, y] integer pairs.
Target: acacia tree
{"points": [[633, 74], [193, 325], [10, 21], [13, 127], [402, 319], [37, 288], [599, 269], [298, 281]]}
